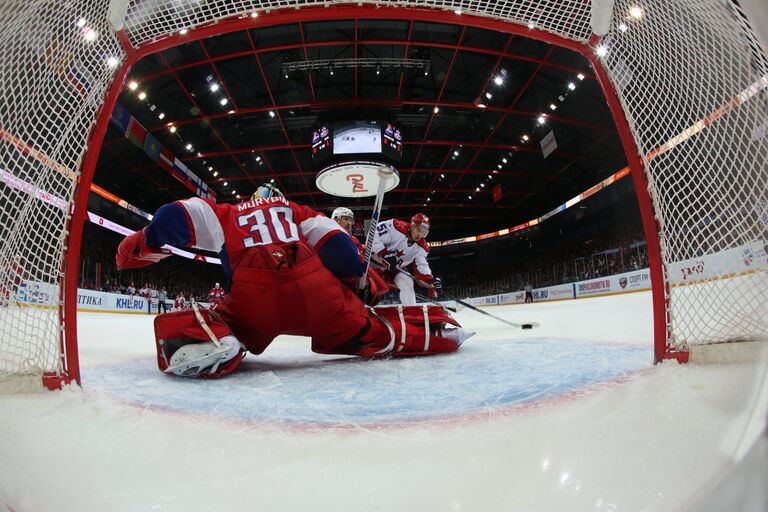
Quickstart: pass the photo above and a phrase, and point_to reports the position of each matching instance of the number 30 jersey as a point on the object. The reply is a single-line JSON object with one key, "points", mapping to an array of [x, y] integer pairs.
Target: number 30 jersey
{"points": [[233, 229]]}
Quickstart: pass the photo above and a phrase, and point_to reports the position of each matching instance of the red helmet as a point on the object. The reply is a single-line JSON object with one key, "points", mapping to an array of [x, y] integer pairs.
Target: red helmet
{"points": [[420, 220]]}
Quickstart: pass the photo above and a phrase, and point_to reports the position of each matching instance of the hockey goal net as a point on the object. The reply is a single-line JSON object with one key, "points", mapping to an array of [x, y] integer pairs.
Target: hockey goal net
{"points": [[687, 80]]}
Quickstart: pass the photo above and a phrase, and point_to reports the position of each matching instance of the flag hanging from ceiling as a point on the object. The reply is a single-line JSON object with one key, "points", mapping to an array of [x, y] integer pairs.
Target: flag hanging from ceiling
{"points": [[136, 133], [152, 147]]}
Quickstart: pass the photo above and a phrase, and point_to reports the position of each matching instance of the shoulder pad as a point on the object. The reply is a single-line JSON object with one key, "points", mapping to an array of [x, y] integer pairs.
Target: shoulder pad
{"points": [[423, 244]]}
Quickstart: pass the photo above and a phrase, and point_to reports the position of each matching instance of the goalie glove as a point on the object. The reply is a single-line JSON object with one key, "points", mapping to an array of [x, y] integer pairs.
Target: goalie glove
{"points": [[134, 252], [375, 288]]}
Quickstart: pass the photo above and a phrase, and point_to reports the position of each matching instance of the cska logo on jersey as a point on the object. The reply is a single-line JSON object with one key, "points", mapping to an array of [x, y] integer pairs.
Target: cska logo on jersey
{"points": [[357, 182]]}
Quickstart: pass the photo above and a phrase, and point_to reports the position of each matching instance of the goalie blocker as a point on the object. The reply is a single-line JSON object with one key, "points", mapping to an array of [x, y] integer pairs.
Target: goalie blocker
{"points": [[206, 347]]}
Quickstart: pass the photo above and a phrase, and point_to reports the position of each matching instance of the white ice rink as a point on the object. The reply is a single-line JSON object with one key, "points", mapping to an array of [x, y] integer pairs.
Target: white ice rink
{"points": [[572, 416]]}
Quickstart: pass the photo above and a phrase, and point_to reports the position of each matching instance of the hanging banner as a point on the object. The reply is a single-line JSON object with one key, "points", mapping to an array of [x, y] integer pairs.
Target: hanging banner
{"points": [[548, 144]]}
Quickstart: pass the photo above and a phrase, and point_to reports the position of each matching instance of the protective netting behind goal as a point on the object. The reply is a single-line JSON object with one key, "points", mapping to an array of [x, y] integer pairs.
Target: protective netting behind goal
{"points": [[693, 82], [690, 75], [54, 69]]}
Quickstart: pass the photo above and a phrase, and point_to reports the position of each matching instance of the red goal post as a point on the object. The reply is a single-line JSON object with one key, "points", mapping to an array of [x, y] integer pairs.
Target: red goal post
{"points": [[685, 81]]}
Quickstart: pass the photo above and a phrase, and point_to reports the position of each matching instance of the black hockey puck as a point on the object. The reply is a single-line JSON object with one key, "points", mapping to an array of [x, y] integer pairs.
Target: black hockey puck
{"points": [[527, 326]]}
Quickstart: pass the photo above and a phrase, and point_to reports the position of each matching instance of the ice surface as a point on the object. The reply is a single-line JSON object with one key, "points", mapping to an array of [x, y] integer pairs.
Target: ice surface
{"points": [[570, 416]]}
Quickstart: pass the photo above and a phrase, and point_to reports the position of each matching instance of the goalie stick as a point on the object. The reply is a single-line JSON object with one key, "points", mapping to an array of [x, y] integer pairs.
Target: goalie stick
{"points": [[529, 325], [385, 172]]}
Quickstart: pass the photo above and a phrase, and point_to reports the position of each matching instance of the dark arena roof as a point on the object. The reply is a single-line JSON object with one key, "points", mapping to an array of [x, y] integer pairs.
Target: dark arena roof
{"points": [[472, 104]]}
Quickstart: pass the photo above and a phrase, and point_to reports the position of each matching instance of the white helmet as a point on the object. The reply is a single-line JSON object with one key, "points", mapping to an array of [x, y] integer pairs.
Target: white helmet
{"points": [[342, 212]]}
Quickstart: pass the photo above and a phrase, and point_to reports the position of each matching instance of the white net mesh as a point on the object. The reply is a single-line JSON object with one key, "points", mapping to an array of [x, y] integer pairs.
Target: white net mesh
{"points": [[690, 76], [694, 86], [53, 71], [150, 19]]}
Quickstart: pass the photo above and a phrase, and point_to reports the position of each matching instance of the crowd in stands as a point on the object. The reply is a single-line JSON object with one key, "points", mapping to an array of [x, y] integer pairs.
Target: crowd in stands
{"points": [[612, 252], [98, 271]]}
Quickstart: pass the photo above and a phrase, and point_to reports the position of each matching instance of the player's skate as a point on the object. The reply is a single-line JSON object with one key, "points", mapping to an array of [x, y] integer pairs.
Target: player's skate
{"points": [[457, 334], [197, 359], [196, 343]]}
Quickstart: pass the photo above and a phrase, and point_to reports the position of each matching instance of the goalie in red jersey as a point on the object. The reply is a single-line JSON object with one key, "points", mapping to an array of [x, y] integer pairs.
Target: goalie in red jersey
{"points": [[288, 270]]}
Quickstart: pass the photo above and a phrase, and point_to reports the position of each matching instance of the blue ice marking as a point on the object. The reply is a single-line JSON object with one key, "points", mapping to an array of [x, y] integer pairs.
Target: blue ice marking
{"points": [[300, 387]]}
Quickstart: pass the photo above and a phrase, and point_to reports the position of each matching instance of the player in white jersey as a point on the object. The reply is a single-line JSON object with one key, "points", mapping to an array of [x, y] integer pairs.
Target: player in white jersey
{"points": [[401, 244]]}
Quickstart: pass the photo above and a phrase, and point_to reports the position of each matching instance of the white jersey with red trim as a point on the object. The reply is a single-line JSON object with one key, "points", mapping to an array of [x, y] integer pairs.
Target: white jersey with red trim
{"points": [[392, 238], [232, 229]]}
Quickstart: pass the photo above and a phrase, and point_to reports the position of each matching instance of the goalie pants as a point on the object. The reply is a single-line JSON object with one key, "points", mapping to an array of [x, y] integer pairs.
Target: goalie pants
{"points": [[304, 299]]}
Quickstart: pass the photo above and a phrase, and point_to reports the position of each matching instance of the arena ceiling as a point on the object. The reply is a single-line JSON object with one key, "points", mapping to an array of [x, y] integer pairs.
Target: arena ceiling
{"points": [[471, 118]]}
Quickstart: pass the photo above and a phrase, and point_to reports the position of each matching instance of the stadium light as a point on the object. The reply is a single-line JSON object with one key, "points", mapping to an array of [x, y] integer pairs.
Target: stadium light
{"points": [[90, 35]]}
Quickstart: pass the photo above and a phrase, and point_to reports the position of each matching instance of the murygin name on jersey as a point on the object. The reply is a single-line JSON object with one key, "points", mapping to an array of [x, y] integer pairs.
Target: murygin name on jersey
{"points": [[255, 203]]}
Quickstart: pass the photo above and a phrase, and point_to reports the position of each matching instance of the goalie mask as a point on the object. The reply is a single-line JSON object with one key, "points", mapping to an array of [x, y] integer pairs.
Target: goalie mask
{"points": [[266, 190]]}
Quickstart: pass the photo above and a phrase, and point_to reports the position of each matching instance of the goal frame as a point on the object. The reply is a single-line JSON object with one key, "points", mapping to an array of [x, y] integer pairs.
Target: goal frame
{"points": [[663, 348]]}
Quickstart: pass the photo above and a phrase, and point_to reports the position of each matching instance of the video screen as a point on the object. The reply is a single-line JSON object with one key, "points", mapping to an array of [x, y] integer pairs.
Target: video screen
{"points": [[357, 137], [393, 142], [321, 144]]}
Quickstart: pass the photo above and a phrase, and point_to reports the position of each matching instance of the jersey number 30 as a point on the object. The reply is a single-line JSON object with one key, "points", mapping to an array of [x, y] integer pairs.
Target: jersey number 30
{"points": [[279, 226]]}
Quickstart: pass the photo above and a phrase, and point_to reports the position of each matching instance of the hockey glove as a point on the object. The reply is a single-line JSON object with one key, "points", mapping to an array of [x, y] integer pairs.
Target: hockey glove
{"points": [[387, 260], [134, 252], [437, 286]]}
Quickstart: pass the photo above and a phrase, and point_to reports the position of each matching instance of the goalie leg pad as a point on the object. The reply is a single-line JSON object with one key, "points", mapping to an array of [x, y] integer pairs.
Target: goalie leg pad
{"points": [[184, 347], [413, 331]]}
